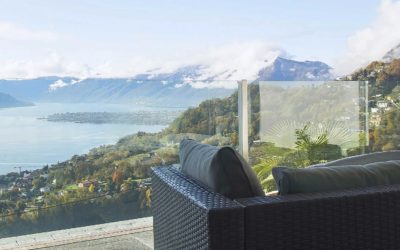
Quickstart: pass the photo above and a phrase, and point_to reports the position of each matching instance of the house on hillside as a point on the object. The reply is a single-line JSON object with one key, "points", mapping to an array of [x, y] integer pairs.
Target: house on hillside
{"points": [[44, 189], [26, 175], [45, 176], [87, 183], [3, 188]]}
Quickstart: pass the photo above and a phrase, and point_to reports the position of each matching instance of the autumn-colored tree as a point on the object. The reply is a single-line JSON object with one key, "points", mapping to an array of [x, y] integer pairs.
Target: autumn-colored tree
{"points": [[146, 200], [91, 188], [118, 177], [394, 69], [127, 185], [385, 134]]}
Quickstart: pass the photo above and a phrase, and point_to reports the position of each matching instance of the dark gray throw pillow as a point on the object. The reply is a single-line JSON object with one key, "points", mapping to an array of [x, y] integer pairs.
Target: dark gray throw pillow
{"points": [[332, 178], [223, 170]]}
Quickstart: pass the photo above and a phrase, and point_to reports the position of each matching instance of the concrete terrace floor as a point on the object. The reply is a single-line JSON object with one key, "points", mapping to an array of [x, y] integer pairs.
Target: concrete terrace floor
{"points": [[128, 234]]}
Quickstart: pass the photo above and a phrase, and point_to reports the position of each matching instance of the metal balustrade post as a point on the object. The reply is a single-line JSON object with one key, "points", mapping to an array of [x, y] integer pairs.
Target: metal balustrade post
{"points": [[243, 119], [366, 116]]}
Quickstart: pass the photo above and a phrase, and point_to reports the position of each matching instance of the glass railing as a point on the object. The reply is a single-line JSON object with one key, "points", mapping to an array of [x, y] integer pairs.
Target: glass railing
{"points": [[298, 124], [79, 152]]}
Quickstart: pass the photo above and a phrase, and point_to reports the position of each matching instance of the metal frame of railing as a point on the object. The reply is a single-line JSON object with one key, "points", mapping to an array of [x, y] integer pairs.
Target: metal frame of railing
{"points": [[243, 119]]}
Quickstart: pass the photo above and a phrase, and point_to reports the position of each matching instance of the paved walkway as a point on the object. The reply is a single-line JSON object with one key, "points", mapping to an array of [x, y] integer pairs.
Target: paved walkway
{"points": [[128, 234]]}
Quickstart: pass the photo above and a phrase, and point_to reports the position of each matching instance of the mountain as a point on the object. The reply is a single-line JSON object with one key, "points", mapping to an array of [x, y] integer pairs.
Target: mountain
{"points": [[392, 54], [7, 101], [186, 86], [30, 89], [147, 92], [289, 70]]}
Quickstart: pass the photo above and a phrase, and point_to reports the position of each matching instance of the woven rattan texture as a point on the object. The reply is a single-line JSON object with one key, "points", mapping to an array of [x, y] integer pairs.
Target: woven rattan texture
{"points": [[188, 216], [354, 219]]}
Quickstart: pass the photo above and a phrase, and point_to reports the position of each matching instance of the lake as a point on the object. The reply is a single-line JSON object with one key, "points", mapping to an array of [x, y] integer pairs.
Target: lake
{"points": [[30, 143]]}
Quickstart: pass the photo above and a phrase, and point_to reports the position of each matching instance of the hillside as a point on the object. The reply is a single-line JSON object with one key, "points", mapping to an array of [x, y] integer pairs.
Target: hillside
{"points": [[382, 77], [7, 101]]}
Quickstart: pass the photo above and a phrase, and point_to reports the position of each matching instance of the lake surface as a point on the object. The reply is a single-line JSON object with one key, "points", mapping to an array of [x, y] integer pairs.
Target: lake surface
{"points": [[30, 143]]}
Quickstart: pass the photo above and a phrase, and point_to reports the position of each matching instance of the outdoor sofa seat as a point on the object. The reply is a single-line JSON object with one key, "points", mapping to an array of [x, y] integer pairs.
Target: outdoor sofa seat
{"points": [[188, 215]]}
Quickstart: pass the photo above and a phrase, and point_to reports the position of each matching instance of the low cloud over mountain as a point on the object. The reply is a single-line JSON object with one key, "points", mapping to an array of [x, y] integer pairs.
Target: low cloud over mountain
{"points": [[184, 86], [372, 42], [392, 54]]}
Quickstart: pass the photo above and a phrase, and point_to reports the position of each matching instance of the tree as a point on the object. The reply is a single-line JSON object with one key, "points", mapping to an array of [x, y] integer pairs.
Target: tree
{"points": [[39, 182], [146, 197], [317, 149], [20, 207], [126, 185], [385, 135], [110, 186], [118, 177], [3, 206], [91, 188]]}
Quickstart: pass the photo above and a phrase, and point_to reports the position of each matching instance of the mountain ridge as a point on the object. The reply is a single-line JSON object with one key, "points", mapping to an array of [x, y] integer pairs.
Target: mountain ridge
{"points": [[8, 101], [186, 86]]}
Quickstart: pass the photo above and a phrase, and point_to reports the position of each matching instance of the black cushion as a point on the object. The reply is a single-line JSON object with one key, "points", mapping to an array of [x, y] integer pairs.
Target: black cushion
{"points": [[333, 178], [223, 170]]}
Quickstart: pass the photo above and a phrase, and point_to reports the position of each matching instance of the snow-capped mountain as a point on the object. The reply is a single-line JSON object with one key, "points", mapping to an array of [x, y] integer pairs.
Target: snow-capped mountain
{"points": [[392, 54], [186, 86], [289, 70]]}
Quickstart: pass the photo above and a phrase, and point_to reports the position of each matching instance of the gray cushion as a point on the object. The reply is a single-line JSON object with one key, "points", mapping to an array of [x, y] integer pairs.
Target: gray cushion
{"points": [[364, 159], [331, 178], [223, 170]]}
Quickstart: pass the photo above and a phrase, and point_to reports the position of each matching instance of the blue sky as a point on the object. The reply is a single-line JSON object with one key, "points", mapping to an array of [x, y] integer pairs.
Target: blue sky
{"points": [[47, 36]]}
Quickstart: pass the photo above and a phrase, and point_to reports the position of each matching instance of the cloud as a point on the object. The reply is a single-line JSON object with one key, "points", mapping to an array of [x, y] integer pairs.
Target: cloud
{"points": [[10, 31], [54, 64], [230, 63], [226, 84], [238, 60], [61, 84], [227, 63], [371, 43], [51, 65], [57, 85]]}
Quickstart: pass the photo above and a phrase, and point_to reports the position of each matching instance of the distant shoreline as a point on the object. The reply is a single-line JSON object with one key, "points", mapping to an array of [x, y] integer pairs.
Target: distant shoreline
{"points": [[138, 118], [18, 106]]}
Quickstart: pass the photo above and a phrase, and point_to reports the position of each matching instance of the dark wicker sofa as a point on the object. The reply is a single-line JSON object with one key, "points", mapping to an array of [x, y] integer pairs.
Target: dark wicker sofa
{"points": [[187, 215]]}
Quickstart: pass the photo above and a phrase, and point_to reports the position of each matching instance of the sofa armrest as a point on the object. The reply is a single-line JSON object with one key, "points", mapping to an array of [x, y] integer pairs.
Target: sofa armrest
{"points": [[366, 218], [186, 215]]}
